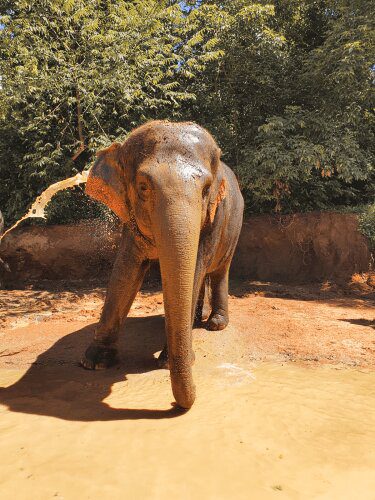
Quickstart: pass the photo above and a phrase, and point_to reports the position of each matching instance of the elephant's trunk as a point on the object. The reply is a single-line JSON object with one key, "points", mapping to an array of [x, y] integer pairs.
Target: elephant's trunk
{"points": [[176, 232]]}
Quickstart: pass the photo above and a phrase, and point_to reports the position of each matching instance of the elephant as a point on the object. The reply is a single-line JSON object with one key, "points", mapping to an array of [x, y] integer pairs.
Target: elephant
{"points": [[180, 204]]}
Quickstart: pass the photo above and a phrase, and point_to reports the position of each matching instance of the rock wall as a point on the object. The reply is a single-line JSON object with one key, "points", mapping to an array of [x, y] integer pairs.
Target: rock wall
{"points": [[296, 248]]}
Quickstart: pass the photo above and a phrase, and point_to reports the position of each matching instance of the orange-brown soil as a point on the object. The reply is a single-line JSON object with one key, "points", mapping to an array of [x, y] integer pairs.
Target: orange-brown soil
{"points": [[285, 399], [311, 323]]}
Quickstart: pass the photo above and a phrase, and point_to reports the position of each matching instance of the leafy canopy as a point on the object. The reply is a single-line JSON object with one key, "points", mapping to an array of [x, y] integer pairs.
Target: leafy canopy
{"points": [[291, 100], [77, 75], [286, 86]]}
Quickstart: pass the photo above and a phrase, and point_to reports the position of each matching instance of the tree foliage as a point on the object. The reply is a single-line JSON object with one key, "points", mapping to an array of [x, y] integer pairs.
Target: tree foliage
{"points": [[292, 101], [367, 224], [77, 75], [286, 86]]}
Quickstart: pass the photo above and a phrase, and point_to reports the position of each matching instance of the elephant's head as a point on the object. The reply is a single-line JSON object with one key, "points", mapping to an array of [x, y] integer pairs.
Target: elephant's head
{"points": [[168, 178]]}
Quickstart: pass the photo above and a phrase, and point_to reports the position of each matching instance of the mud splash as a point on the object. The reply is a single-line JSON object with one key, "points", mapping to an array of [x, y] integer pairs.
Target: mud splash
{"points": [[37, 208]]}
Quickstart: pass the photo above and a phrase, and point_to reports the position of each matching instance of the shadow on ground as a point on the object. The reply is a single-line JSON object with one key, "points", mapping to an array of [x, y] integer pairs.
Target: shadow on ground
{"points": [[362, 322], [332, 293], [55, 385]]}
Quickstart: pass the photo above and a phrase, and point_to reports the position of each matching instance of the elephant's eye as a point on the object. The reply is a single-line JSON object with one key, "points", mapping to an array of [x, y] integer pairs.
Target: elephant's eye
{"points": [[143, 190], [205, 190]]}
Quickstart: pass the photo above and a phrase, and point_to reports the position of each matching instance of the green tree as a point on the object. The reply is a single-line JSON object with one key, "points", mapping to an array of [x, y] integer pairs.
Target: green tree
{"points": [[291, 101], [77, 75], [327, 131], [286, 86]]}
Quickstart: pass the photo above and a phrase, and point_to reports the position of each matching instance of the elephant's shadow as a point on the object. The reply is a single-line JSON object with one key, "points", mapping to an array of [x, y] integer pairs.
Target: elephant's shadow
{"points": [[55, 385]]}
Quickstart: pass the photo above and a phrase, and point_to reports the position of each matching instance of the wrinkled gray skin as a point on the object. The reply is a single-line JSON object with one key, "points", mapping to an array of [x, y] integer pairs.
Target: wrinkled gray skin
{"points": [[182, 205]]}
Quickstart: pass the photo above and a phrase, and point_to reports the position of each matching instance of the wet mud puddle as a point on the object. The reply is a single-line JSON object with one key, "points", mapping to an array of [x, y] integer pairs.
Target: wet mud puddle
{"points": [[256, 431]]}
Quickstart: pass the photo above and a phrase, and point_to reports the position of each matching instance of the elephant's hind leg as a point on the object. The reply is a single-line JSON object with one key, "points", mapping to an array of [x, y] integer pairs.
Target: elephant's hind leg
{"points": [[219, 316]]}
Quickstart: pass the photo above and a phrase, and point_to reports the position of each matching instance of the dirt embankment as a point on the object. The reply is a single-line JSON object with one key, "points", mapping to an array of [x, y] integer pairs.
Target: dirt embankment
{"points": [[296, 248], [301, 248], [69, 251]]}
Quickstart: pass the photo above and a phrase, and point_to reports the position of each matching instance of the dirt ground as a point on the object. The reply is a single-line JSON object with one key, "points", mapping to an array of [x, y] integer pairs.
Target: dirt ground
{"points": [[285, 398]]}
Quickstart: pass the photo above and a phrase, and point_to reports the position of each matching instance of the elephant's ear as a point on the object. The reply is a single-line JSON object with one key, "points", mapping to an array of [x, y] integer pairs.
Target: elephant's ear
{"points": [[219, 194], [106, 181]]}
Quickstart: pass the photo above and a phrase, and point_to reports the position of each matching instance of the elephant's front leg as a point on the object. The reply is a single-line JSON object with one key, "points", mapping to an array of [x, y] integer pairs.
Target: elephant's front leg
{"points": [[126, 279]]}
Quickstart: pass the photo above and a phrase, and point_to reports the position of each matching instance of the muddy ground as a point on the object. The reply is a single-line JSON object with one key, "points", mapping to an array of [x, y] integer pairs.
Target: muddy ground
{"points": [[310, 324], [285, 405]]}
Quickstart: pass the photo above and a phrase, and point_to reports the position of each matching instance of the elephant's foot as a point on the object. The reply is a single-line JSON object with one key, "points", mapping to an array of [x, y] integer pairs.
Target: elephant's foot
{"points": [[163, 361], [217, 321], [201, 317], [99, 357]]}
